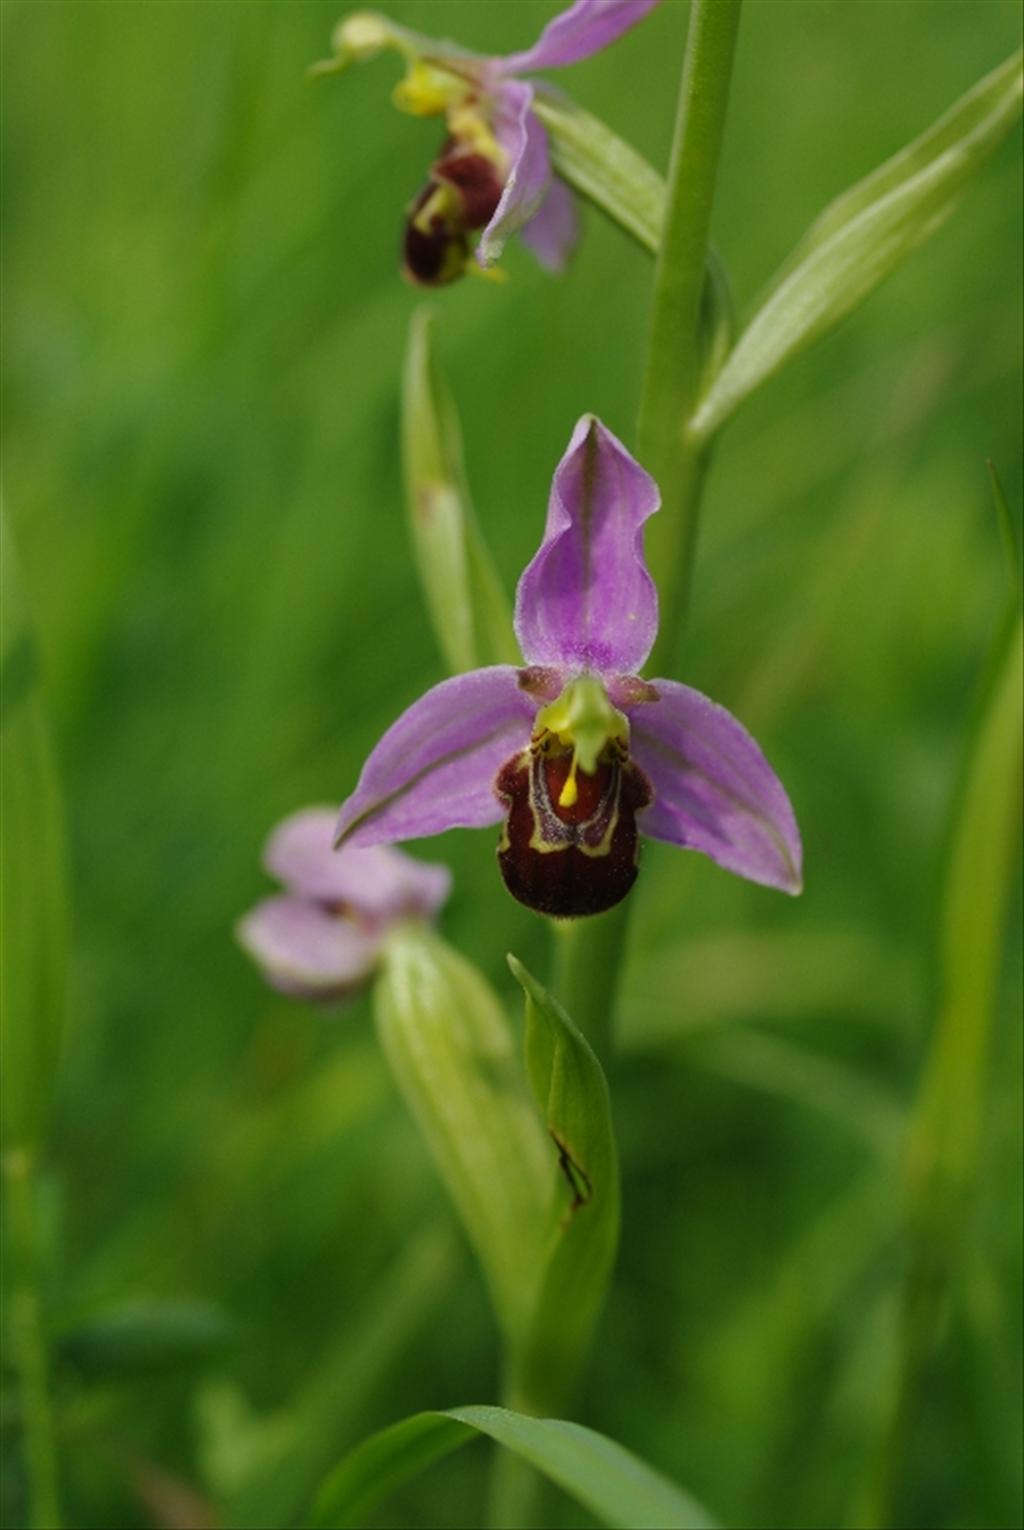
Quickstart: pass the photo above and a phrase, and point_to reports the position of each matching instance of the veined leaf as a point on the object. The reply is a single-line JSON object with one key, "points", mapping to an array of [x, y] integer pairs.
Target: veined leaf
{"points": [[33, 901], [862, 237], [468, 607], [451, 1049], [571, 1090], [619, 1488]]}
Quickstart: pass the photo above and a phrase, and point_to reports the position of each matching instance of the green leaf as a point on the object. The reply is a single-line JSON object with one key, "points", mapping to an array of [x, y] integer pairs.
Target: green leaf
{"points": [[619, 1488], [603, 168], [862, 237], [144, 1337], [570, 1088], [33, 884], [451, 1049], [468, 607]]}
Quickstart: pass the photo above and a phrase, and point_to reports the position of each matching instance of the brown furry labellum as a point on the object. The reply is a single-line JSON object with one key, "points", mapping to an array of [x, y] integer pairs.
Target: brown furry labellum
{"points": [[461, 196], [568, 861]]}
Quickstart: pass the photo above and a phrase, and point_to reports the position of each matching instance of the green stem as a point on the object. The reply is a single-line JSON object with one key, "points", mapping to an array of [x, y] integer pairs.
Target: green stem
{"points": [[589, 951], [587, 960], [673, 370], [29, 1343], [516, 1490], [674, 552]]}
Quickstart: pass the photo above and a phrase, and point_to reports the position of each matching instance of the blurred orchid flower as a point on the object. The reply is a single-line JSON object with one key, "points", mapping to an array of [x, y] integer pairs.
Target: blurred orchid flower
{"points": [[494, 171], [572, 749], [321, 937]]}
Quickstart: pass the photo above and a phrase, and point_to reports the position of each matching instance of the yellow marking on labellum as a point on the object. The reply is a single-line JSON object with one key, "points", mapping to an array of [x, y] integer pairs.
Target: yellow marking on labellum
{"points": [[443, 202], [594, 852], [570, 792], [613, 755], [569, 861]]}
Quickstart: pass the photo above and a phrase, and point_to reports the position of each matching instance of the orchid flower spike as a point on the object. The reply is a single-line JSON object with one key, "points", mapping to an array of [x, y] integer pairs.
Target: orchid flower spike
{"points": [[493, 172], [321, 938], [574, 753]]}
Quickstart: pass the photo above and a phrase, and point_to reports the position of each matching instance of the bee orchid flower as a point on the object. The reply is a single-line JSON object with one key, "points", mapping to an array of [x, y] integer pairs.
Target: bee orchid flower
{"points": [[493, 174], [574, 753], [320, 939]]}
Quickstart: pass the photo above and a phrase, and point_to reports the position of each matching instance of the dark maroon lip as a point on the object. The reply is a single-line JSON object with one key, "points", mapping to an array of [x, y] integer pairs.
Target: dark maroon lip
{"points": [[570, 861], [437, 255], [477, 181]]}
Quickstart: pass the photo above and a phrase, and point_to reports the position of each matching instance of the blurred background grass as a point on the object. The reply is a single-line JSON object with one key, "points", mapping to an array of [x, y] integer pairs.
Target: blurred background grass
{"points": [[205, 327]]}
